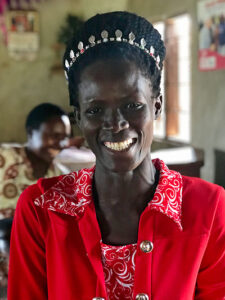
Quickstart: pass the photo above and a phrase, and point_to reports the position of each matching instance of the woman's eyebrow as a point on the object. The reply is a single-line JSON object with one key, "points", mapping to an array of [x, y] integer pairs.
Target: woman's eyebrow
{"points": [[134, 93], [93, 100]]}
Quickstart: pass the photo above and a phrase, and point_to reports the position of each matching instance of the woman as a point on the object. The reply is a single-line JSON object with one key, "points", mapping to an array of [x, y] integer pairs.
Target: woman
{"points": [[129, 228], [47, 127]]}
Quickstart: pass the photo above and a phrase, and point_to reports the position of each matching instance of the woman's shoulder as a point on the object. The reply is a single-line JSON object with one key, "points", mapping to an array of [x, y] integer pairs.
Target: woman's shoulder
{"points": [[200, 187], [37, 189], [81, 176], [60, 192], [27, 207], [43, 185], [202, 197]]}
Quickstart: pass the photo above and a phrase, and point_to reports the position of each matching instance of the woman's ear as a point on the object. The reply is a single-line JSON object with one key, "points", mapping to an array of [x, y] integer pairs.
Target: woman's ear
{"points": [[77, 115], [158, 106]]}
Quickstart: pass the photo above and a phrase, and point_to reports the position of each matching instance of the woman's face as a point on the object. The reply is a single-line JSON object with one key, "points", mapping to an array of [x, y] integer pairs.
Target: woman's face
{"points": [[46, 141], [116, 114]]}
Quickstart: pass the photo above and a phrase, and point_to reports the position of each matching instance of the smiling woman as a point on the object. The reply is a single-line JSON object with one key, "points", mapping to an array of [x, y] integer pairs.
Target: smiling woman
{"points": [[124, 229], [118, 132]]}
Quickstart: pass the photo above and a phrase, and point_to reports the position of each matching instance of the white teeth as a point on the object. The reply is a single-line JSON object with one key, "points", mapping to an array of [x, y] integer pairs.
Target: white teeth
{"points": [[118, 146]]}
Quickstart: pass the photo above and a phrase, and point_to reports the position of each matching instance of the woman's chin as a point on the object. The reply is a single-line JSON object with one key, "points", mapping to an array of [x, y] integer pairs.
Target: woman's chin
{"points": [[120, 166]]}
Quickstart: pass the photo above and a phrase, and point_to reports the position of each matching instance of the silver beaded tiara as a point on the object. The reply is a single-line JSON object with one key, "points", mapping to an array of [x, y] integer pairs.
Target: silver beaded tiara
{"points": [[105, 38]]}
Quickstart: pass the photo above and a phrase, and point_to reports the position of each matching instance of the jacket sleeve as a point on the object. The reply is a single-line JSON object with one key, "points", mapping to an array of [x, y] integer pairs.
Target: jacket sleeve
{"points": [[211, 278], [27, 266]]}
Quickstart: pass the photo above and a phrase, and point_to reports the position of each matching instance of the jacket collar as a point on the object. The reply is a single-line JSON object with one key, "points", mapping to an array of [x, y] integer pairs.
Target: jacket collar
{"points": [[70, 195], [73, 193], [168, 195]]}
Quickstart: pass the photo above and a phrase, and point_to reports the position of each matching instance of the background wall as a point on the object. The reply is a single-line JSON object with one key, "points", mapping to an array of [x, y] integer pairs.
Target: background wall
{"points": [[25, 84], [208, 88]]}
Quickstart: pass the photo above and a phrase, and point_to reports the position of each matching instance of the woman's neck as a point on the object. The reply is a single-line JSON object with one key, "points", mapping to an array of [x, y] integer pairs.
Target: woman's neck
{"points": [[118, 188], [39, 166], [120, 198]]}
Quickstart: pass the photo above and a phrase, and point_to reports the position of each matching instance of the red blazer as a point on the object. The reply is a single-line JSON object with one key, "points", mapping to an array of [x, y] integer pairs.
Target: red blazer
{"points": [[55, 246]]}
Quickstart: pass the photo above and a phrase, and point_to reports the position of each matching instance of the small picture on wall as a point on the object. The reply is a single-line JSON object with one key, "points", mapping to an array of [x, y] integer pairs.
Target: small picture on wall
{"points": [[23, 34], [211, 20]]}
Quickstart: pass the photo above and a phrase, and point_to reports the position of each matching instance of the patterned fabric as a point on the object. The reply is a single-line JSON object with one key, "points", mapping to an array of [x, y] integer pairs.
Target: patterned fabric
{"points": [[73, 193], [70, 195], [16, 174], [168, 195], [119, 266]]}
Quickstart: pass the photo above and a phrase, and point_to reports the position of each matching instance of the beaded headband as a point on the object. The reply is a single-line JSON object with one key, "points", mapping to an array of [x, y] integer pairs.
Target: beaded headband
{"points": [[105, 39]]}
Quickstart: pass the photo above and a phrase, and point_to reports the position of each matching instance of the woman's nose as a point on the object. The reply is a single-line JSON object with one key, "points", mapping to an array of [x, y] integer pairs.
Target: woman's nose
{"points": [[115, 121]]}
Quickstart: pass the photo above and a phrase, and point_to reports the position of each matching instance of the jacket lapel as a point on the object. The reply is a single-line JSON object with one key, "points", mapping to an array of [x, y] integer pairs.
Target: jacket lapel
{"points": [[72, 195], [91, 236], [168, 195]]}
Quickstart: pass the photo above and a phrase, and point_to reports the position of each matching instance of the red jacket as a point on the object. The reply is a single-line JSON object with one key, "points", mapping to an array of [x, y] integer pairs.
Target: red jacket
{"points": [[55, 247]]}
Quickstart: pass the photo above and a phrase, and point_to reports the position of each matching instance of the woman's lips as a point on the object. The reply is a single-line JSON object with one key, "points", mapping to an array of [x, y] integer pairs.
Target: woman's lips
{"points": [[120, 146]]}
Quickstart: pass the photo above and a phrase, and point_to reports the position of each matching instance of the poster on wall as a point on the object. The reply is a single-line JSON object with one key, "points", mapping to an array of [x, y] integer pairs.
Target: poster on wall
{"points": [[211, 21], [23, 34]]}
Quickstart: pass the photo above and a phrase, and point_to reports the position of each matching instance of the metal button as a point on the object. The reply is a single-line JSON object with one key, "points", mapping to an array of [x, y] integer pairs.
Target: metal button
{"points": [[98, 298], [146, 246], [142, 297]]}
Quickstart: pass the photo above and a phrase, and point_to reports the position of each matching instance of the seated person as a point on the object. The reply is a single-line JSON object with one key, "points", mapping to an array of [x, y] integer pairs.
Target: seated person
{"points": [[47, 127], [5, 230]]}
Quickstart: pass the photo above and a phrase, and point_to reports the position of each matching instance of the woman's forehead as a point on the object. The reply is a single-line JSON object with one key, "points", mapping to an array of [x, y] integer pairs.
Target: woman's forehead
{"points": [[111, 66], [55, 123], [111, 77]]}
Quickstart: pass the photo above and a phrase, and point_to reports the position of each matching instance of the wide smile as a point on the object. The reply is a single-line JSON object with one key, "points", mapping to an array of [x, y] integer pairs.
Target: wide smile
{"points": [[120, 146]]}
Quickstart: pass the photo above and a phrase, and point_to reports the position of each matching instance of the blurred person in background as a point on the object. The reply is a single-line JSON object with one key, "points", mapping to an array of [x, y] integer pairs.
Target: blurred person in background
{"points": [[206, 35], [221, 36], [48, 130], [5, 230]]}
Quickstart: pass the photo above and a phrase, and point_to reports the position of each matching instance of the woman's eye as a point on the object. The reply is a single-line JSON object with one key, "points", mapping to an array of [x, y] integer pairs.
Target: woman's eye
{"points": [[93, 110], [134, 105]]}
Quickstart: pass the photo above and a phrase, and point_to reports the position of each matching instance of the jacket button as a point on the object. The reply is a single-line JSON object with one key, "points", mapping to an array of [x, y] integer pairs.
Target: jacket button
{"points": [[98, 298], [142, 297], [146, 246]]}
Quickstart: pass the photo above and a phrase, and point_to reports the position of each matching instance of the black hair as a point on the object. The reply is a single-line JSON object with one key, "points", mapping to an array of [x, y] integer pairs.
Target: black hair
{"points": [[42, 113], [125, 22]]}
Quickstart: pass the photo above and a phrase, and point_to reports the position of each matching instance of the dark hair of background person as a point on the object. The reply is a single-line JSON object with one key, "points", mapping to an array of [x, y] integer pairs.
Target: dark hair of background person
{"points": [[116, 50], [41, 114]]}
